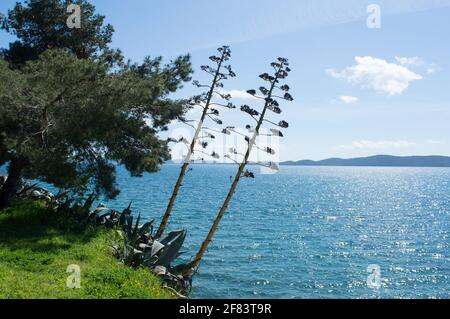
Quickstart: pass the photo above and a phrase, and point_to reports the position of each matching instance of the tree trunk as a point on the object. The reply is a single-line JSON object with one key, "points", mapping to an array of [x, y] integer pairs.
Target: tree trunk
{"points": [[9, 188]]}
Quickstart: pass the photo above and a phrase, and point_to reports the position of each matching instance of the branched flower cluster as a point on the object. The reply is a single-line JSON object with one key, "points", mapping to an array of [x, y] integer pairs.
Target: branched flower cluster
{"points": [[197, 147], [270, 98]]}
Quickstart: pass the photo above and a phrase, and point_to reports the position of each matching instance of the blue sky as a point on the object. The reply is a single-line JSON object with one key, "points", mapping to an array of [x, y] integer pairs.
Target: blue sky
{"points": [[358, 91]]}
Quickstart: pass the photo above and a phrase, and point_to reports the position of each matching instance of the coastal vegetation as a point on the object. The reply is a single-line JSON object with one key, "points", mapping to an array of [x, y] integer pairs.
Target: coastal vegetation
{"points": [[36, 249], [73, 110], [72, 107]]}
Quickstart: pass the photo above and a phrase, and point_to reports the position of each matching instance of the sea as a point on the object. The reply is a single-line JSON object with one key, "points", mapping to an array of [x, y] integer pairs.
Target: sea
{"points": [[308, 232]]}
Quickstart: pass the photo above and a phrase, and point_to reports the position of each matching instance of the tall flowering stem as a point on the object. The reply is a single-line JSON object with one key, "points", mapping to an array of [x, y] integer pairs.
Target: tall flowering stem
{"points": [[219, 72], [281, 71]]}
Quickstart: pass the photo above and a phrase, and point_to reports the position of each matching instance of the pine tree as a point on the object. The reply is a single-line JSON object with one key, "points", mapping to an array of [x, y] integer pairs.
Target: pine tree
{"points": [[71, 109]]}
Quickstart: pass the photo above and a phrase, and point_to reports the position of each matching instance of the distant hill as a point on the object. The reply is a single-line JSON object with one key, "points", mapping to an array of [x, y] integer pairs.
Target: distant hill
{"points": [[379, 160]]}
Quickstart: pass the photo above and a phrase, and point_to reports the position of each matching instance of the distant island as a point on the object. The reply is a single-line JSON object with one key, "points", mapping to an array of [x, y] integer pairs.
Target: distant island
{"points": [[378, 160]]}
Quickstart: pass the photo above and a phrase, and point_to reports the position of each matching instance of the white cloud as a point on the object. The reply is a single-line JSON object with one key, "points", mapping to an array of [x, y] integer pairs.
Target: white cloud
{"points": [[347, 99], [238, 94], [377, 145], [416, 61], [377, 74], [432, 68]]}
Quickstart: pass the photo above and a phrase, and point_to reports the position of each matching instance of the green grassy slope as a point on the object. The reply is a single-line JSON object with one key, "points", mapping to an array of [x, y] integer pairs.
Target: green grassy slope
{"points": [[35, 254]]}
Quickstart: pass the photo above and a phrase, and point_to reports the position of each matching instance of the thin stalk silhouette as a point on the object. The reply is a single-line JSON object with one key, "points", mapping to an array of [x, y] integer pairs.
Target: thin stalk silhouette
{"points": [[225, 54], [281, 72]]}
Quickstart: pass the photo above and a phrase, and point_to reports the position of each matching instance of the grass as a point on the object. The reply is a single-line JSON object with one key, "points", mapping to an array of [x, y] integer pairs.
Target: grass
{"points": [[36, 249]]}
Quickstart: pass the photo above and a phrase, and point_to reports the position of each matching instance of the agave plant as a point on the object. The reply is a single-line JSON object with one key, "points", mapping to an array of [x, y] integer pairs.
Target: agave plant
{"points": [[281, 71], [139, 248], [164, 251], [68, 208], [207, 102]]}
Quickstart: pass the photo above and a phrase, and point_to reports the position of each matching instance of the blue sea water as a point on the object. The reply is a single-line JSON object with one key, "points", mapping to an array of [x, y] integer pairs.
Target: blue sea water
{"points": [[309, 232]]}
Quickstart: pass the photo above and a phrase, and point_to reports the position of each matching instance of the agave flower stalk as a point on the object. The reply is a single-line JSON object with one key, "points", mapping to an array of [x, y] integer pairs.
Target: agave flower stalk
{"points": [[205, 101], [282, 70]]}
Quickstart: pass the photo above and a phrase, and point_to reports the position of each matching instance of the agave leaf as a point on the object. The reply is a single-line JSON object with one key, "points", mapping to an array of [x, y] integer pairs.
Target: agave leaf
{"points": [[170, 251], [156, 247], [150, 255], [136, 226], [127, 224], [122, 218], [89, 201], [128, 209], [170, 237], [133, 234], [126, 212], [146, 228], [149, 261], [180, 253]]}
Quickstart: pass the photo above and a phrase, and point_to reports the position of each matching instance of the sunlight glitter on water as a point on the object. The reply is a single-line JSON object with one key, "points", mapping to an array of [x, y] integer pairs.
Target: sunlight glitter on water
{"points": [[310, 232]]}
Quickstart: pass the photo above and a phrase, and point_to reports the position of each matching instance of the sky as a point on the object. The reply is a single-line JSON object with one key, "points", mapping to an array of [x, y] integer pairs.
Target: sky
{"points": [[358, 90]]}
